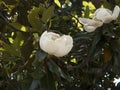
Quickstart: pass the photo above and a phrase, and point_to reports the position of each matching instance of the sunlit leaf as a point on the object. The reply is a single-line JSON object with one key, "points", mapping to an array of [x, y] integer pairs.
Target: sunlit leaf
{"points": [[57, 2]]}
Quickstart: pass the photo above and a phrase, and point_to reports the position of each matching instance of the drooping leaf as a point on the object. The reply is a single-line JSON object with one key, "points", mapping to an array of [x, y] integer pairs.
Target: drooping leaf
{"points": [[54, 68], [95, 41]]}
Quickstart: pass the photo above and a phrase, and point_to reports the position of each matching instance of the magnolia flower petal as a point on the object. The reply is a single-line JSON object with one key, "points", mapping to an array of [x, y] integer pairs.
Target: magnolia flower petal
{"points": [[89, 28], [103, 14], [47, 42], [86, 21], [116, 12], [99, 10], [65, 44], [90, 22]]}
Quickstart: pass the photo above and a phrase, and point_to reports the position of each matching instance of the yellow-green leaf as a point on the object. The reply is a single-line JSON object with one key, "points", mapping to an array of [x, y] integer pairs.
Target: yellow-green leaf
{"points": [[57, 2]]}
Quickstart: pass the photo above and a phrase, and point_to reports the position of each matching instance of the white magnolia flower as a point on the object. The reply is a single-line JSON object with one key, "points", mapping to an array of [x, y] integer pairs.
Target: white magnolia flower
{"points": [[89, 24], [106, 15], [54, 44], [101, 15]]}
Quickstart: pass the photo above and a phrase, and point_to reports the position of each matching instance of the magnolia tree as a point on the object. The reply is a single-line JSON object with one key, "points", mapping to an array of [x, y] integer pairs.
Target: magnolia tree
{"points": [[59, 44]]}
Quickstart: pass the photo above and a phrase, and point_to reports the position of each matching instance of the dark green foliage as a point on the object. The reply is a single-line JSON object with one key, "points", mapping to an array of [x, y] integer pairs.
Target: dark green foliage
{"points": [[92, 64]]}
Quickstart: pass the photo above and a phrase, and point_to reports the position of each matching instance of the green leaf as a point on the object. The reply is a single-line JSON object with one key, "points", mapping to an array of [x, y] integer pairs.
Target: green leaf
{"points": [[19, 26], [108, 30], [9, 49], [83, 36], [48, 82], [57, 2], [54, 68], [47, 14], [18, 40], [87, 12], [95, 41], [34, 17], [25, 84], [116, 66], [37, 74], [10, 2], [22, 28], [116, 56], [39, 57], [35, 84]]}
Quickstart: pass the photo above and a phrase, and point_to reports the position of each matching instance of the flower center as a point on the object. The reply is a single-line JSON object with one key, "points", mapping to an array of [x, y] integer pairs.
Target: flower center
{"points": [[54, 37]]}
